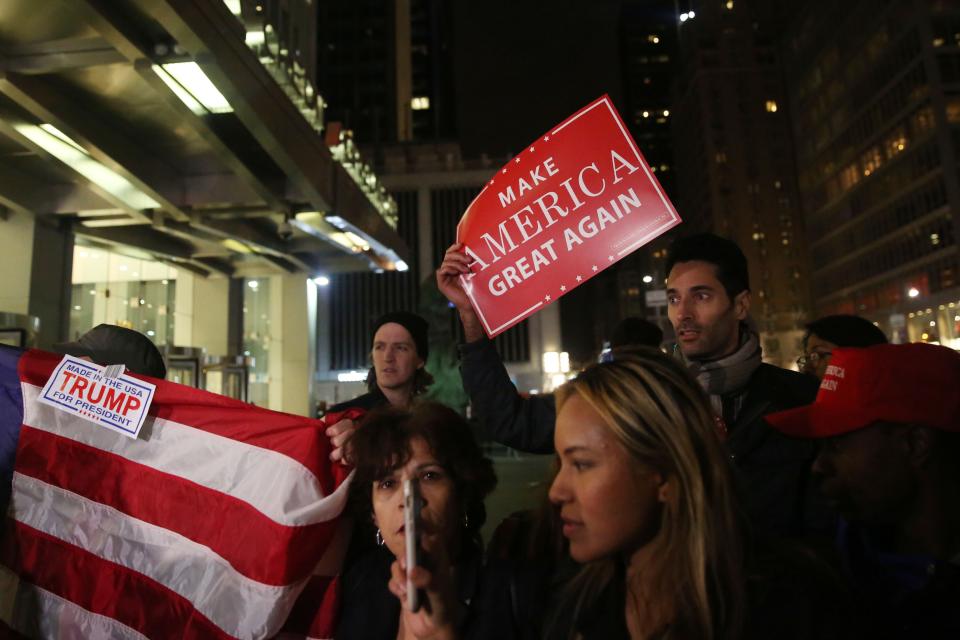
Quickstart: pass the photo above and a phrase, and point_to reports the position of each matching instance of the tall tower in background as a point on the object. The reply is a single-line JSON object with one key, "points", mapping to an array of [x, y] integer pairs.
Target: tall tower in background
{"points": [[735, 158], [877, 116], [386, 69], [648, 60]]}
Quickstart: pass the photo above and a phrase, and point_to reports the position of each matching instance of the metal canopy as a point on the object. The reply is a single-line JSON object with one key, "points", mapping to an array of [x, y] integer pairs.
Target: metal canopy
{"points": [[92, 132]]}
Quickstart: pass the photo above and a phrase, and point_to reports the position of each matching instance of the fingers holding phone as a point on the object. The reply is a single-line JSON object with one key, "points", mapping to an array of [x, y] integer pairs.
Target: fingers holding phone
{"points": [[439, 610]]}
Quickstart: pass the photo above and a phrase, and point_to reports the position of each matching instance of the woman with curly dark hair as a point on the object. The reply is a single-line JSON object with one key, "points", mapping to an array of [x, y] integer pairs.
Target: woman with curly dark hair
{"points": [[434, 446]]}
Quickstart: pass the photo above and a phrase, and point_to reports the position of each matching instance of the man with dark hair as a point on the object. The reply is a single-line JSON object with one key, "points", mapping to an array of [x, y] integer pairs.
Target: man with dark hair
{"points": [[708, 303], [888, 420], [526, 424], [826, 334], [399, 352]]}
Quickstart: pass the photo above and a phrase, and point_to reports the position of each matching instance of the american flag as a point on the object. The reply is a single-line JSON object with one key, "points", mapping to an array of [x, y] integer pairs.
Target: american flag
{"points": [[220, 521]]}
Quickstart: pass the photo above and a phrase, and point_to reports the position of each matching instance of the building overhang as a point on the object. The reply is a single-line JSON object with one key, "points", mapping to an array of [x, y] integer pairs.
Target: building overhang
{"points": [[154, 124]]}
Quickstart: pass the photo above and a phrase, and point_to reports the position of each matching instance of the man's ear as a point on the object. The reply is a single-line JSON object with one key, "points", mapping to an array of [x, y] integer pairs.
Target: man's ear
{"points": [[741, 304]]}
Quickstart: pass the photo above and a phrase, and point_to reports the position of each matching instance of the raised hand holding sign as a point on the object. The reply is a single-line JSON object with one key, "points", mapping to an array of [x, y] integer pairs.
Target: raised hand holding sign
{"points": [[573, 203]]}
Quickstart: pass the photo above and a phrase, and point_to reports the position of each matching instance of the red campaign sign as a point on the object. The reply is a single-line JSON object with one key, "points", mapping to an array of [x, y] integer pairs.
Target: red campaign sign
{"points": [[570, 205]]}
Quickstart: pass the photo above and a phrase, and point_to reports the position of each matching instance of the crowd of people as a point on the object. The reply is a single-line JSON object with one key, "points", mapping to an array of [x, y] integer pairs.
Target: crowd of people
{"points": [[698, 492]]}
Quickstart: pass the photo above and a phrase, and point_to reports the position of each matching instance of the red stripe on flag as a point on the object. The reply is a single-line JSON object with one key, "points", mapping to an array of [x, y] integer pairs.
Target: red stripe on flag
{"points": [[252, 543], [280, 432], [315, 613], [103, 587]]}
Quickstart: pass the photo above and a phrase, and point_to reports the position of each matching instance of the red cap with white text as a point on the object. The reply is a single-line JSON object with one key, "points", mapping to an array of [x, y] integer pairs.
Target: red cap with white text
{"points": [[903, 383]]}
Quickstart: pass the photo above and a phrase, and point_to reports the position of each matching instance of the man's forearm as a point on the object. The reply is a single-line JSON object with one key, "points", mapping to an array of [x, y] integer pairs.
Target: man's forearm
{"points": [[472, 329]]}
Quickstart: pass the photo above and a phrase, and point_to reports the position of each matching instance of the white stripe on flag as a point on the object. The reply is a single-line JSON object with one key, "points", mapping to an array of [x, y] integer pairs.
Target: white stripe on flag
{"points": [[242, 607], [46, 615], [252, 474]]}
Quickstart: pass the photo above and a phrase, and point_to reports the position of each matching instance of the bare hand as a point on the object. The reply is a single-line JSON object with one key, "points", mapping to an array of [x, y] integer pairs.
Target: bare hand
{"points": [[340, 434], [455, 264], [436, 618]]}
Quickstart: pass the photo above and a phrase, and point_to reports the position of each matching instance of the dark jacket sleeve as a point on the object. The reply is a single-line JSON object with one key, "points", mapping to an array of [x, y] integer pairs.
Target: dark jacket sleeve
{"points": [[778, 493], [526, 424]]}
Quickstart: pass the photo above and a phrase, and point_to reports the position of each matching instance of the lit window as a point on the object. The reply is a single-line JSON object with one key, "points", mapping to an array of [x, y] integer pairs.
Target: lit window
{"points": [[730, 5], [771, 106], [938, 42], [934, 239], [420, 103]]}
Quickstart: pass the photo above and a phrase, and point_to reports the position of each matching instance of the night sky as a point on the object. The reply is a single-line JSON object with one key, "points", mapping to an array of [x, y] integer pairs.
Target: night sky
{"points": [[524, 66]]}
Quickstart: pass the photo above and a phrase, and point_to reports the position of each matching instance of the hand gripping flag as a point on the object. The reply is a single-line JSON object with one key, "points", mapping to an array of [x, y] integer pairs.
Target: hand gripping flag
{"points": [[210, 525]]}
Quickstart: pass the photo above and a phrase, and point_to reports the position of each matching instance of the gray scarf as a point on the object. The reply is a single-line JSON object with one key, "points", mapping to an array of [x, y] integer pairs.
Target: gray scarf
{"points": [[730, 374]]}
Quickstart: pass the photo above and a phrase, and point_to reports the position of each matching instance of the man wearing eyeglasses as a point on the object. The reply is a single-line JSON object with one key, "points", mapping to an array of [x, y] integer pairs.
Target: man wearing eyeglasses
{"points": [[830, 332]]}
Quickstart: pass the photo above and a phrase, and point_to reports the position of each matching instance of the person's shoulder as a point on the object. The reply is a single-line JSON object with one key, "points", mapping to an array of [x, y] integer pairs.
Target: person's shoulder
{"points": [[367, 402], [369, 569], [367, 608], [790, 387]]}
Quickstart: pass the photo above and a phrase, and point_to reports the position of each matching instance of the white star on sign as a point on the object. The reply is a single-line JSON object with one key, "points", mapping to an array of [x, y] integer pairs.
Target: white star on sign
{"points": [[563, 287], [546, 138], [531, 149], [517, 160], [504, 171], [579, 278], [547, 298], [610, 258], [594, 267]]}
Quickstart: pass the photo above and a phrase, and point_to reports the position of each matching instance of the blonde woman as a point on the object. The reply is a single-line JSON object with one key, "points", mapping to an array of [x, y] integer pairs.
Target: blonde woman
{"points": [[646, 498]]}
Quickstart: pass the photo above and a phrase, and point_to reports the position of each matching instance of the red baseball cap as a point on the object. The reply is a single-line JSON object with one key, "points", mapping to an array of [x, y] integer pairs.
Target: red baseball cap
{"points": [[905, 383]]}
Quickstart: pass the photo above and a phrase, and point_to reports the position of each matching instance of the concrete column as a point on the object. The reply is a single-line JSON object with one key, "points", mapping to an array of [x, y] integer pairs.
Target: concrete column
{"points": [[292, 359], [323, 329], [16, 247], [201, 317], [549, 330], [50, 281]]}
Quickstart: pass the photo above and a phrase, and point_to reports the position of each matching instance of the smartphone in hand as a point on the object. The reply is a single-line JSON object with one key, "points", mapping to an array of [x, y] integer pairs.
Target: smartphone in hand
{"points": [[412, 504]]}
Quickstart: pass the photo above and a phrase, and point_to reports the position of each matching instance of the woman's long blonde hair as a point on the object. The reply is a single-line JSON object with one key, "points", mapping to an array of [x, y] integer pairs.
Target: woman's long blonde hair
{"points": [[663, 419]]}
